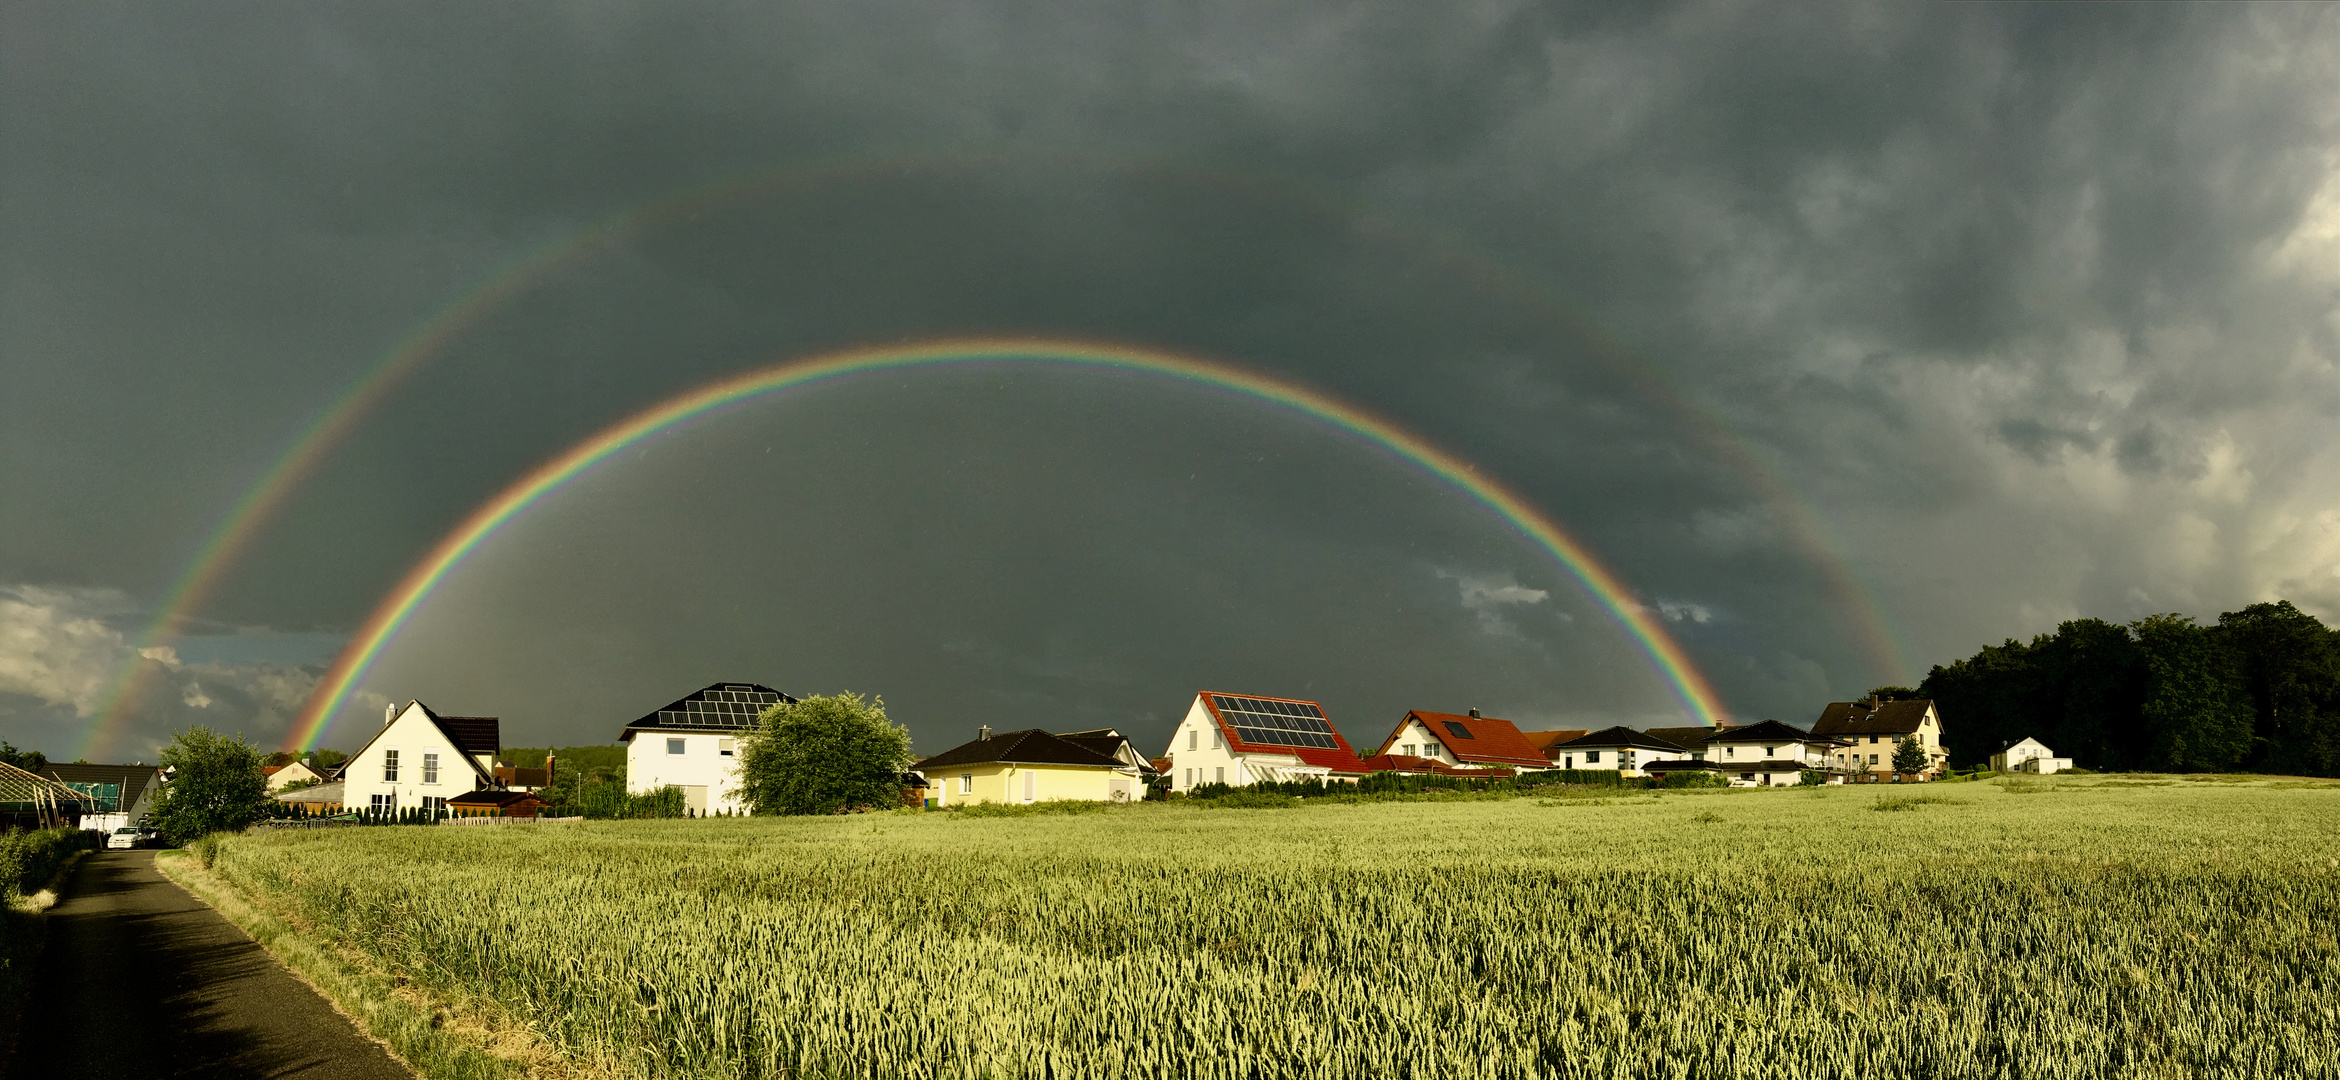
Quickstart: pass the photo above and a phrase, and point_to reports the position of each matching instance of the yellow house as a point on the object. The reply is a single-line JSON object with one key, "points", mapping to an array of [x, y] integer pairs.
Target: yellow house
{"points": [[1870, 731], [1026, 767]]}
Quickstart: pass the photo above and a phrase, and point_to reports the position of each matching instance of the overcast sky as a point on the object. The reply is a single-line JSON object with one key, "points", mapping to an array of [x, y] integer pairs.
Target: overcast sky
{"points": [[1851, 337]]}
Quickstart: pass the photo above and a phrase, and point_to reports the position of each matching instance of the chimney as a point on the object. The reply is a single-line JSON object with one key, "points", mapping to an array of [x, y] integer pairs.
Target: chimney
{"points": [[548, 768], [389, 712], [983, 732], [1474, 714]]}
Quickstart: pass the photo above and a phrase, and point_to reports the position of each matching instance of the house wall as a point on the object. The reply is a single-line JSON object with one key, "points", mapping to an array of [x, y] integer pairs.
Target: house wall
{"points": [[414, 737], [1728, 755], [290, 774], [1198, 753], [707, 769], [1423, 741], [1017, 784], [1627, 760], [1763, 777]]}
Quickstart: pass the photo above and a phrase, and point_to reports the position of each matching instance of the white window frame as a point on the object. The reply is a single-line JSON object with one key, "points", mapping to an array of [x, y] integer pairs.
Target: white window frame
{"points": [[966, 783], [1592, 757], [725, 747], [1221, 772], [1193, 739], [674, 746], [390, 765], [383, 802], [430, 769]]}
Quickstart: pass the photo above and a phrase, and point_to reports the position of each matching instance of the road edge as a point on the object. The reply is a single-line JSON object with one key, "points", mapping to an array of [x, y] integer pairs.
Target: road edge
{"points": [[412, 1034]]}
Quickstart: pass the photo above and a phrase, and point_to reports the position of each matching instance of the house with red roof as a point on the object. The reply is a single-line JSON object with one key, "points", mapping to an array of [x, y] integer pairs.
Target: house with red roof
{"points": [[1544, 741], [1243, 739], [1463, 740]]}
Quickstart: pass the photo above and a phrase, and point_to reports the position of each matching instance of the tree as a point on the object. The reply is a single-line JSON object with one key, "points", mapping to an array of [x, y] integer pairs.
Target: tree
{"points": [[321, 760], [2195, 718], [2289, 663], [823, 755], [1892, 693], [215, 785], [1909, 755], [31, 761]]}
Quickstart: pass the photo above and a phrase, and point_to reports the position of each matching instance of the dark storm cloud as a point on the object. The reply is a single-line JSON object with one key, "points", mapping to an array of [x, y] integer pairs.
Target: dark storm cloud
{"points": [[2027, 310]]}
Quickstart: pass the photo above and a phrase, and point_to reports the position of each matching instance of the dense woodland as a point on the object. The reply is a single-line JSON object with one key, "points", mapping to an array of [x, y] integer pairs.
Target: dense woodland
{"points": [[2259, 691]]}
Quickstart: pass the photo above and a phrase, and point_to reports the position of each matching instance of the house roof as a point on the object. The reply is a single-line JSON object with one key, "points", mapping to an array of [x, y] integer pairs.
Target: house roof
{"points": [[269, 770], [1769, 732], [1111, 743], [1306, 732], [1480, 739], [723, 706], [331, 791], [133, 778], [1546, 740], [1620, 736], [1030, 746], [491, 797], [1883, 718], [1687, 738]]}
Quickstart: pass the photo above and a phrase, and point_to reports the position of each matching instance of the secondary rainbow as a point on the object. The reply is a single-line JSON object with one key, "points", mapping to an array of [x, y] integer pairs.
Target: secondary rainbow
{"points": [[1637, 619]]}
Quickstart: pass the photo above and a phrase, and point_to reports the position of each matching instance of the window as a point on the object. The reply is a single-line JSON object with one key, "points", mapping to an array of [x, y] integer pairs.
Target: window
{"points": [[1218, 739], [1190, 778], [1872, 759], [389, 766], [726, 746], [1193, 739], [1872, 740], [430, 771], [1455, 728], [1222, 775], [1768, 749], [436, 805], [674, 746], [1592, 757], [1730, 751], [1408, 748], [386, 802], [966, 783]]}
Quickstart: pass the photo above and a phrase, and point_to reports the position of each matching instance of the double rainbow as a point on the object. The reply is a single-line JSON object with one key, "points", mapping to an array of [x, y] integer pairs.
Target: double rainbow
{"points": [[382, 627]]}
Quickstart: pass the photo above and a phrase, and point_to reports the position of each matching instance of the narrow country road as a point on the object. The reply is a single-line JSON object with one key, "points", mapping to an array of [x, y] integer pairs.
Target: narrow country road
{"points": [[142, 980]]}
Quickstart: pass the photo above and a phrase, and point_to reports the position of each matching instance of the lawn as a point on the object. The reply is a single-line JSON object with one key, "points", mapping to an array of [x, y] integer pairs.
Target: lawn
{"points": [[2082, 927]]}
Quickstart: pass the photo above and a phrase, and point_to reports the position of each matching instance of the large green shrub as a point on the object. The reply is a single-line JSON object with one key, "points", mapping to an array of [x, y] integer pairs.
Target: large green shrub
{"points": [[823, 755], [217, 786]]}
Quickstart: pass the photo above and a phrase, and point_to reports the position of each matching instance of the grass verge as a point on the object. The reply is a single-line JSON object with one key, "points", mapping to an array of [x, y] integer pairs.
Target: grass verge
{"points": [[425, 1034]]}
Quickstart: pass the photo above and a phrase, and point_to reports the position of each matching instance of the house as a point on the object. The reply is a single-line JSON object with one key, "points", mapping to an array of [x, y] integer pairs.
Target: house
{"points": [[1872, 728], [524, 778], [420, 759], [2031, 756], [1544, 741], [493, 803], [316, 799], [1111, 743], [1463, 740], [1025, 767], [120, 795], [693, 744], [1618, 749], [284, 776], [1771, 754], [33, 801], [1243, 739]]}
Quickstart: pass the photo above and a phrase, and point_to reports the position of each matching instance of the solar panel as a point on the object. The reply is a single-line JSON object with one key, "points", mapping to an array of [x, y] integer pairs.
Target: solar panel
{"points": [[1275, 723], [734, 708], [1460, 732]]}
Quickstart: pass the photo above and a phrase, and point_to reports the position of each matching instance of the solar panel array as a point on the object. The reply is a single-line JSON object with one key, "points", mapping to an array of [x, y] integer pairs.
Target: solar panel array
{"points": [[1275, 723], [727, 706]]}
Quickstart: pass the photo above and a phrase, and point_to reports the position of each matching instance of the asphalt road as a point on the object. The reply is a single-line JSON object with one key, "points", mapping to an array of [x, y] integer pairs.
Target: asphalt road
{"points": [[141, 979]]}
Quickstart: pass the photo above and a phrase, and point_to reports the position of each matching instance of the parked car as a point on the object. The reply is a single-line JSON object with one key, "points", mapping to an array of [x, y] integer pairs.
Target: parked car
{"points": [[123, 839]]}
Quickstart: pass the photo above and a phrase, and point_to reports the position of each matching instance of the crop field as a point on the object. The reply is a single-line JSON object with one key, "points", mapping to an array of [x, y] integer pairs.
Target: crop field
{"points": [[2085, 927]]}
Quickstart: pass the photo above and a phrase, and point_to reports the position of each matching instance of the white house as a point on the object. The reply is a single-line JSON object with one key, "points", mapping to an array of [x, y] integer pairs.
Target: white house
{"points": [[284, 776], [421, 759], [2030, 755], [1463, 740], [693, 744], [121, 795], [1616, 749], [1771, 753], [1243, 739]]}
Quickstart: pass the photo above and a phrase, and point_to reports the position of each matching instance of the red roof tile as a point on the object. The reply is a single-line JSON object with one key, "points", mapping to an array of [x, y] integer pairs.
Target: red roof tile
{"points": [[1489, 741], [1340, 758]]}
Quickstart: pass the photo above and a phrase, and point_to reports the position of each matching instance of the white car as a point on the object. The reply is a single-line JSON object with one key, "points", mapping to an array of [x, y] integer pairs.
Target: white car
{"points": [[123, 839]]}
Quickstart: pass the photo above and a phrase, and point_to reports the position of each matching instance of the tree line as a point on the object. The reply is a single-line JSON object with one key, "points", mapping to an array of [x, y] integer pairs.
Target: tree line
{"points": [[2259, 691]]}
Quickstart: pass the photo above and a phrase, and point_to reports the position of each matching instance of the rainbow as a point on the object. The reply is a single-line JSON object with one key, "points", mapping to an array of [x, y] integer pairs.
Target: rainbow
{"points": [[1857, 605], [1638, 621]]}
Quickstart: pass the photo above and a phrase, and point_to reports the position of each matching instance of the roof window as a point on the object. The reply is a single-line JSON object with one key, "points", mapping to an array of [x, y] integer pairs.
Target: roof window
{"points": [[1459, 731]]}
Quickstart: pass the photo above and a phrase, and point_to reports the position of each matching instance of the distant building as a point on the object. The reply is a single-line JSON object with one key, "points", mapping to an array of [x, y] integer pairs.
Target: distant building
{"points": [[1871, 729], [1771, 753], [1462, 740], [693, 744], [1031, 766], [120, 795], [316, 799], [2031, 756], [283, 776], [1618, 749], [420, 759], [1243, 739]]}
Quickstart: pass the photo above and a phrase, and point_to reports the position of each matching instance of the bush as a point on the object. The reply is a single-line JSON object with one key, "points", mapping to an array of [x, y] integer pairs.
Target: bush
{"points": [[217, 786], [610, 801], [823, 755], [29, 859], [1693, 778], [1251, 800]]}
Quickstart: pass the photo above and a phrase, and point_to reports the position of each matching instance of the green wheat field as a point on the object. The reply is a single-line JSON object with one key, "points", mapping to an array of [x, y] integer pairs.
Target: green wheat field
{"points": [[2081, 927]]}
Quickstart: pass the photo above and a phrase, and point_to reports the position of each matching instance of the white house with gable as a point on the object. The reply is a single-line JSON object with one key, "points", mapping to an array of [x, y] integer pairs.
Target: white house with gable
{"points": [[693, 744], [421, 759], [1243, 739], [2031, 756]]}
